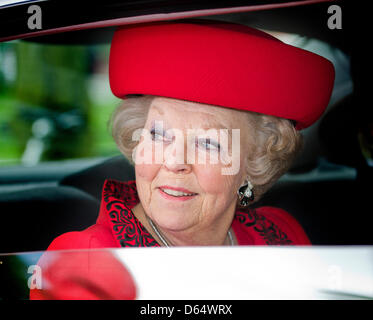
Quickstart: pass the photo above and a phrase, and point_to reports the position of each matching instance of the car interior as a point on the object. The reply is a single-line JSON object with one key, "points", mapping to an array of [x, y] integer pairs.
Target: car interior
{"points": [[325, 190]]}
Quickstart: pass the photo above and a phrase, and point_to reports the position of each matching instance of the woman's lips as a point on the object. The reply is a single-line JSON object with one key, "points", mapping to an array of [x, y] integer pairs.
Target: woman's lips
{"points": [[174, 193]]}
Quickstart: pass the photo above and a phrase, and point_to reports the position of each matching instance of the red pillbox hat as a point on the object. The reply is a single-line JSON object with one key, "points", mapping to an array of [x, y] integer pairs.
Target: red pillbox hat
{"points": [[222, 64]]}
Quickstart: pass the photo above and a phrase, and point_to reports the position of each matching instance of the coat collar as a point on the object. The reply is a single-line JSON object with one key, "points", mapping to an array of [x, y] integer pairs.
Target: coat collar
{"points": [[118, 199]]}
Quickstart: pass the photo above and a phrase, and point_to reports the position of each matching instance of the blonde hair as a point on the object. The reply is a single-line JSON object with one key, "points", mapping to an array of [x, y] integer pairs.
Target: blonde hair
{"points": [[130, 116], [273, 146]]}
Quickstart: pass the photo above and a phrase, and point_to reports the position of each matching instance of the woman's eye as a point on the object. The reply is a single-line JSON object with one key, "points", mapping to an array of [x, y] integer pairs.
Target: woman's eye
{"points": [[158, 135], [208, 144]]}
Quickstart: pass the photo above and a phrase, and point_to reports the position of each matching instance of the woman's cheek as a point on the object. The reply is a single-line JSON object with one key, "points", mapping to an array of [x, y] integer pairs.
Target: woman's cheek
{"points": [[211, 179], [147, 172], [146, 165], [145, 176]]}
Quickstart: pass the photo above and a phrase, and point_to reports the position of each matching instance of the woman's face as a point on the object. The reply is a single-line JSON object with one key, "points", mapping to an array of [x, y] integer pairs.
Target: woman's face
{"points": [[187, 177]]}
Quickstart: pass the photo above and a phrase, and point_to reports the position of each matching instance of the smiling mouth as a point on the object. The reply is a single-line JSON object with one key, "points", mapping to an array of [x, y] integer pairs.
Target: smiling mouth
{"points": [[176, 193]]}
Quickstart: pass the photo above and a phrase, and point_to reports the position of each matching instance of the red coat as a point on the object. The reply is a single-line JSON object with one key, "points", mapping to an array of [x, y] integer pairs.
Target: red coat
{"points": [[70, 274]]}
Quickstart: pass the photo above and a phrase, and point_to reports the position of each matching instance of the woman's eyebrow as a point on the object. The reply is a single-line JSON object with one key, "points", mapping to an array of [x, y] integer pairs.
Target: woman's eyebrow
{"points": [[215, 126], [211, 123]]}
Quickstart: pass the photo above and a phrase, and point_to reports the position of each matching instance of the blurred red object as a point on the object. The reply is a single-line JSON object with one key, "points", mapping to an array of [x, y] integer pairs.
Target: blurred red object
{"points": [[83, 275]]}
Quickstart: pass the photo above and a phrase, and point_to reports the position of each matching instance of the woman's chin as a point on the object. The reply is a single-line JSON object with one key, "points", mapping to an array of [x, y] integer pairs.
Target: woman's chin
{"points": [[171, 220]]}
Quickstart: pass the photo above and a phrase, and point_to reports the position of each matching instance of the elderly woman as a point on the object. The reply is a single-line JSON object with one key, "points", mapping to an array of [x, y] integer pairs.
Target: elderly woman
{"points": [[210, 119]]}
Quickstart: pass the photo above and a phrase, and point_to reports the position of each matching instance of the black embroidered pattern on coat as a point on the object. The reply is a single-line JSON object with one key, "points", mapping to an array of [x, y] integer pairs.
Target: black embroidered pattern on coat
{"points": [[119, 199], [122, 191], [265, 227]]}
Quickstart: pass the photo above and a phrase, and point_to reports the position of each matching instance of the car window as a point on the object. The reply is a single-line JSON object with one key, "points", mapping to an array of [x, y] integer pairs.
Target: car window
{"points": [[55, 104]]}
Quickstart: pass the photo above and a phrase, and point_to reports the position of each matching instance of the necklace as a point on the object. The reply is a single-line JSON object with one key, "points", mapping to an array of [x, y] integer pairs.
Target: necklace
{"points": [[155, 229], [165, 242]]}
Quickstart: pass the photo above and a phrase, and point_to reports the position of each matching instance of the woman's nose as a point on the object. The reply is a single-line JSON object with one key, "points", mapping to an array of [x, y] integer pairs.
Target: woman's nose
{"points": [[175, 157]]}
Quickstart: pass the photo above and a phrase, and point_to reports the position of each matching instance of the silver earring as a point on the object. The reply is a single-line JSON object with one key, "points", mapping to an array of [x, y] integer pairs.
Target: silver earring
{"points": [[245, 194]]}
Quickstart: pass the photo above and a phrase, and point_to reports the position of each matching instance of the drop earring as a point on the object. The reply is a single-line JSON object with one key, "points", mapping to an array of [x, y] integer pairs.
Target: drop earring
{"points": [[245, 194]]}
